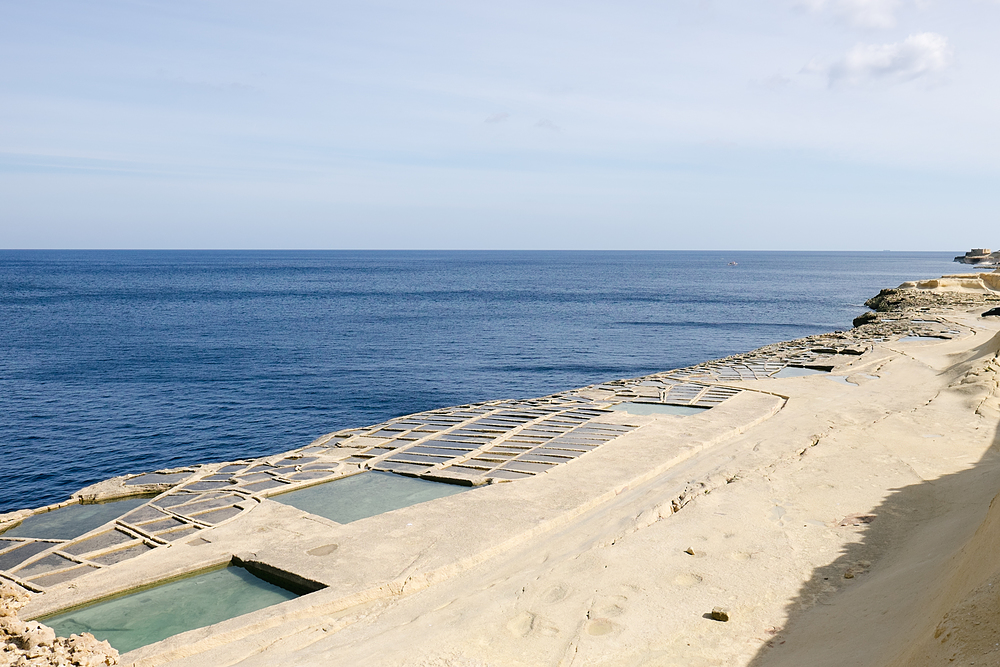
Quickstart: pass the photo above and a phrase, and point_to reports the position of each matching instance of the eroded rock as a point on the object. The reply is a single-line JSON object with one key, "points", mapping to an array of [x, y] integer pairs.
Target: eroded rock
{"points": [[720, 614], [29, 643], [865, 318]]}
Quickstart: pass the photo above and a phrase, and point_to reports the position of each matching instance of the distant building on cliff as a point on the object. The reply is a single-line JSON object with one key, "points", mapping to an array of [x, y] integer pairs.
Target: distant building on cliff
{"points": [[980, 257]]}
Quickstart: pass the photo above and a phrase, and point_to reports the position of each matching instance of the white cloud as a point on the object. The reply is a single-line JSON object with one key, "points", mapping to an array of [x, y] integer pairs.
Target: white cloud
{"points": [[498, 117], [920, 55], [861, 13]]}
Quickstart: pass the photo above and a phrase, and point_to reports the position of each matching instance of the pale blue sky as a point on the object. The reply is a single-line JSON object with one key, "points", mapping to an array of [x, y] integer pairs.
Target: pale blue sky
{"points": [[779, 124]]}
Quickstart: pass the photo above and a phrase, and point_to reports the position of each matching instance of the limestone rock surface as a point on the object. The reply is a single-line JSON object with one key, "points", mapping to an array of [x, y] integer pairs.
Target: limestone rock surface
{"points": [[24, 643]]}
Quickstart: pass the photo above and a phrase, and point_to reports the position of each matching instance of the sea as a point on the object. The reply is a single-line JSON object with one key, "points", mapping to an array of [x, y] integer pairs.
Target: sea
{"points": [[115, 362]]}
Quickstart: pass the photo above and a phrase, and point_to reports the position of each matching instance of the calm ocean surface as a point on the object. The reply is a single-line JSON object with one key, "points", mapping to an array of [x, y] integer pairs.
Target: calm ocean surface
{"points": [[116, 362]]}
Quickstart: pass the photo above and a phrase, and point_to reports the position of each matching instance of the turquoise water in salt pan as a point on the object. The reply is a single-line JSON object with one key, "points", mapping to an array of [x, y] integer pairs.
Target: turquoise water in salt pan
{"points": [[658, 409], [151, 615], [795, 372], [364, 495]]}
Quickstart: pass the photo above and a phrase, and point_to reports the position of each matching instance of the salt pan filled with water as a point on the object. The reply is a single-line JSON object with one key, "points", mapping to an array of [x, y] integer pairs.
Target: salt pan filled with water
{"points": [[150, 615], [658, 409], [72, 521], [797, 372], [361, 496]]}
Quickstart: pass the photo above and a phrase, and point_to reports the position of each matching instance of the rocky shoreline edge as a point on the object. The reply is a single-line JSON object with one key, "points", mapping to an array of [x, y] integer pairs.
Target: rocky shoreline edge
{"points": [[24, 643]]}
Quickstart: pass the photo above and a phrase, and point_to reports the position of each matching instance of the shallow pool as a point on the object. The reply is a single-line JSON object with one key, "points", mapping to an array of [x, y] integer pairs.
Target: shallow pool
{"points": [[797, 372], [72, 521], [658, 409], [364, 495], [147, 616]]}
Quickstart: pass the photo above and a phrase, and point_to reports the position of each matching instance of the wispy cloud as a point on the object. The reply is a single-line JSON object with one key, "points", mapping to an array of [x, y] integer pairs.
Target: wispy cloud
{"points": [[921, 55], [860, 13], [497, 117], [547, 124]]}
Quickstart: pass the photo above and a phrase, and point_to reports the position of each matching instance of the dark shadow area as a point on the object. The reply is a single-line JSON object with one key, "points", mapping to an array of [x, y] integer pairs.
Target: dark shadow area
{"points": [[278, 577], [837, 609]]}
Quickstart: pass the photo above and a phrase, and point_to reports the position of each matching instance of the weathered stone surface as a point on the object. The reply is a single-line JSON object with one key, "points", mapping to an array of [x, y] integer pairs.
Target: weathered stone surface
{"points": [[865, 318], [24, 643], [909, 297]]}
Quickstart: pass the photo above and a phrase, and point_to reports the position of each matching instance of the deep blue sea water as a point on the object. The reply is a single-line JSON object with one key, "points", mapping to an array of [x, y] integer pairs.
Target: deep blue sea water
{"points": [[114, 362]]}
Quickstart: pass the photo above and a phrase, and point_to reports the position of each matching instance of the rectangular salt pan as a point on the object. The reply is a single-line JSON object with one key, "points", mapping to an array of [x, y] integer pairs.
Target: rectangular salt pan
{"points": [[658, 409], [72, 521], [797, 371], [150, 615], [364, 495]]}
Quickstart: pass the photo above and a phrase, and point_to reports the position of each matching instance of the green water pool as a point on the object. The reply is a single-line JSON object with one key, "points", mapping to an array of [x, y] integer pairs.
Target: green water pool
{"points": [[364, 495], [72, 521], [147, 616]]}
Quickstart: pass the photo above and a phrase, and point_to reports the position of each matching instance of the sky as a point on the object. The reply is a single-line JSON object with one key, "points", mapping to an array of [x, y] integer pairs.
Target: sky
{"points": [[669, 124]]}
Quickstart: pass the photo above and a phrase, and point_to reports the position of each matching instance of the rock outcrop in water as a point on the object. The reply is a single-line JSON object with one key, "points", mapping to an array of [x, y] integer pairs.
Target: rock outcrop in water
{"points": [[24, 643], [954, 291]]}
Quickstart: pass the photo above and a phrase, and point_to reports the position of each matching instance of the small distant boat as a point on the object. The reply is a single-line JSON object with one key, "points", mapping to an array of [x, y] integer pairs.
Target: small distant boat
{"points": [[732, 264]]}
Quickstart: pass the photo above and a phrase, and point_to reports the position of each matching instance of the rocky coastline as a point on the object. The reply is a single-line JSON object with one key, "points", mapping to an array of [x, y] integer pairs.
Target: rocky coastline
{"points": [[632, 471]]}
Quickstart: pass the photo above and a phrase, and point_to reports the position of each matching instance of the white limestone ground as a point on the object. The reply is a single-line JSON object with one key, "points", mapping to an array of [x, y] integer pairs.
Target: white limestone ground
{"points": [[836, 522]]}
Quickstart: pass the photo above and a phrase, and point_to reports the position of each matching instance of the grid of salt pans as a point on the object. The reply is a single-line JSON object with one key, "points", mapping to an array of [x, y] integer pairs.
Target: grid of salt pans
{"points": [[502, 441], [43, 562], [499, 441], [666, 390]]}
